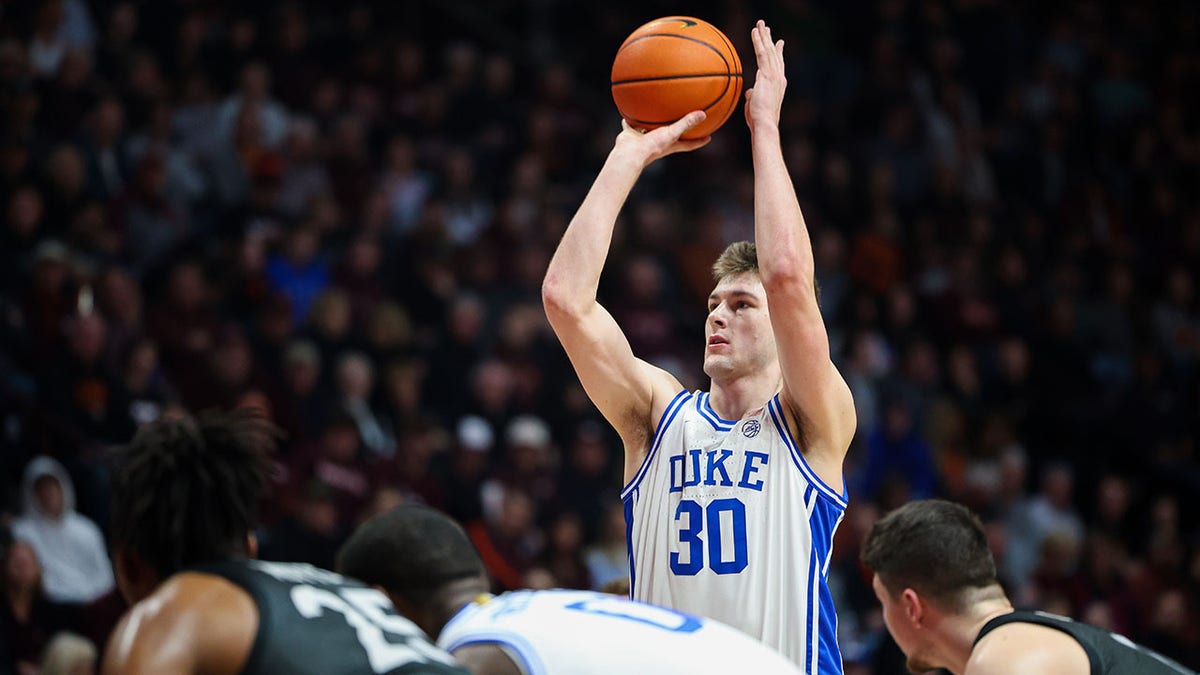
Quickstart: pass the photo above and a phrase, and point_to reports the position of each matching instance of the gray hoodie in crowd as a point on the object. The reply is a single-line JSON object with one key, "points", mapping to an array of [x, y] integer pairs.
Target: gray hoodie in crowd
{"points": [[75, 563]]}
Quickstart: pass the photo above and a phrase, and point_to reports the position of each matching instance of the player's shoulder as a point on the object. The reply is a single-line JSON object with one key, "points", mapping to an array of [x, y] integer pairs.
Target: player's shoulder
{"points": [[185, 595], [1027, 647], [191, 618]]}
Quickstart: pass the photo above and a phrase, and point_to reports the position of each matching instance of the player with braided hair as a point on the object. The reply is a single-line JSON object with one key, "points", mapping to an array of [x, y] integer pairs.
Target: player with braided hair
{"points": [[184, 509]]}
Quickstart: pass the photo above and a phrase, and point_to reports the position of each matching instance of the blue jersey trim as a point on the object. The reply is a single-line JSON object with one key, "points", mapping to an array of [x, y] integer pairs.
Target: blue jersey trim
{"points": [[822, 646], [528, 655], [705, 409], [810, 638], [780, 420], [829, 653], [823, 523], [628, 502], [668, 416]]}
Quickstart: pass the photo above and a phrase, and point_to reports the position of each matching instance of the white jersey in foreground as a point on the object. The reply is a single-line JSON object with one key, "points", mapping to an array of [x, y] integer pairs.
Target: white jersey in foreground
{"points": [[725, 519], [585, 633]]}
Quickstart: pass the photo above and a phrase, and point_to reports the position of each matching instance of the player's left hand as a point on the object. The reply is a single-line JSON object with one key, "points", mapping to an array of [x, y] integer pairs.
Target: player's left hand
{"points": [[764, 101]]}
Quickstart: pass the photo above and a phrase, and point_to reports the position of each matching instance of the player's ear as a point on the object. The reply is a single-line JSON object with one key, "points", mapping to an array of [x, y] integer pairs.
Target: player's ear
{"points": [[251, 545], [913, 606], [403, 607], [135, 579]]}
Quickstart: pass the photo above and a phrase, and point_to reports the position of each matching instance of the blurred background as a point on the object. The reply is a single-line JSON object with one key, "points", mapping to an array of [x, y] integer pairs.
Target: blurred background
{"points": [[340, 213]]}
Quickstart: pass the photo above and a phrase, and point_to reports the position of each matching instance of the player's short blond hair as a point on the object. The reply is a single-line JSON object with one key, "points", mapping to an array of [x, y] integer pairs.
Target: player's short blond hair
{"points": [[737, 258], [741, 257]]}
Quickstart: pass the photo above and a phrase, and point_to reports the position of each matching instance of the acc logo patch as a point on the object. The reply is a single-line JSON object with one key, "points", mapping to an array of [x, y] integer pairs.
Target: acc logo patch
{"points": [[751, 428]]}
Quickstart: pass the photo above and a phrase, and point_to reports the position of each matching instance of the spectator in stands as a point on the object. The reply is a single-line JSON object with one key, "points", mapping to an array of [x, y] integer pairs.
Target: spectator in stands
{"points": [[607, 557], [507, 539], [354, 395], [184, 324], [336, 459], [311, 533], [28, 617], [1035, 518], [301, 404], [86, 391], [300, 273], [150, 394], [466, 468], [896, 449], [68, 544], [563, 556]]}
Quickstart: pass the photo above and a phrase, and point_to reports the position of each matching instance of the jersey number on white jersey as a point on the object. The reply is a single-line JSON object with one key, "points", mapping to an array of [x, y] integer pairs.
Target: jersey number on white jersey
{"points": [[697, 524]]}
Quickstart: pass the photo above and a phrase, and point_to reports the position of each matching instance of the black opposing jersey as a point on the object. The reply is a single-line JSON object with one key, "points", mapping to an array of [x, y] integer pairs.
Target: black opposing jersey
{"points": [[1109, 653], [312, 620]]}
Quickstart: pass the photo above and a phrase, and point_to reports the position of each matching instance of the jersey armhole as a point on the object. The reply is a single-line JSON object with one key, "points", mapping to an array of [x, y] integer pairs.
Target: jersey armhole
{"points": [[775, 409], [668, 416], [240, 577], [516, 648], [516, 657], [1034, 619]]}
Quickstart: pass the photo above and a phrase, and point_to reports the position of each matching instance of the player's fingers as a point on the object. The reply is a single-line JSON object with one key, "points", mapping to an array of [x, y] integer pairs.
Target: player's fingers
{"points": [[757, 40], [694, 144], [687, 122]]}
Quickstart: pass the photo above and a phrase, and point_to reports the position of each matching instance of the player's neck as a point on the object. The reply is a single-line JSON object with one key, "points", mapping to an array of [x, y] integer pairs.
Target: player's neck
{"points": [[959, 631], [736, 398], [449, 601]]}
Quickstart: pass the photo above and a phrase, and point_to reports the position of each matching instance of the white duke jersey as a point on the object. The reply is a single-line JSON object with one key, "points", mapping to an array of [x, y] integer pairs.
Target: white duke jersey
{"points": [[589, 633], [725, 519]]}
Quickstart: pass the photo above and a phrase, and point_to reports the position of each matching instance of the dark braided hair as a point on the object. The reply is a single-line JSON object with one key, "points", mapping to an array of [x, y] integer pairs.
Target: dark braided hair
{"points": [[186, 490]]}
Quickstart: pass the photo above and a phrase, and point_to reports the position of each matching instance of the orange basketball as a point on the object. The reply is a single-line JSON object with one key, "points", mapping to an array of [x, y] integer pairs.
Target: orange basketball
{"points": [[672, 66]]}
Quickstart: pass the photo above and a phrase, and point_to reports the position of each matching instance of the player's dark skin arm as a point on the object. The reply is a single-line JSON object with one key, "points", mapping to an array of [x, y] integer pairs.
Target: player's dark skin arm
{"points": [[486, 659], [194, 623]]}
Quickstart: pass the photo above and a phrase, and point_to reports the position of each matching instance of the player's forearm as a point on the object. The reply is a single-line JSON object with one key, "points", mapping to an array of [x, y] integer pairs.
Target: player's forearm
{"points": [[573, 276], [781, 236]]}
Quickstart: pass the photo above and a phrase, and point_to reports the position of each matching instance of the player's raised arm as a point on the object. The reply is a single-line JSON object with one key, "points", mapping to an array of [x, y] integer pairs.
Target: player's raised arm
{"points": [[621, 386], [815, 392]]}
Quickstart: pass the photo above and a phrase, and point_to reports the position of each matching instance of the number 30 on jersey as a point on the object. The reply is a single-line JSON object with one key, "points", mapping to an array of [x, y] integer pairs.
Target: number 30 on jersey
{"points": [[718, 530]]}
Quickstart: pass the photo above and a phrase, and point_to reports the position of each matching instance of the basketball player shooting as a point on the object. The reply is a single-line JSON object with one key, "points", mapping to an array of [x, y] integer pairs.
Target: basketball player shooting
{"points": [[732, 496]]}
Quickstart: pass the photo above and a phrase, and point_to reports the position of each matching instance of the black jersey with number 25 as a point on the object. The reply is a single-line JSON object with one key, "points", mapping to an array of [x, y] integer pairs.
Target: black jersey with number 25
{"points": [[312, 620], [1109, 653]]}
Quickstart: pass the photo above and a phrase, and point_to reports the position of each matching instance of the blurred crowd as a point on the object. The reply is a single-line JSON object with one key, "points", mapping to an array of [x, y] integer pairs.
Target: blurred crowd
{"points": [[340, 214]]}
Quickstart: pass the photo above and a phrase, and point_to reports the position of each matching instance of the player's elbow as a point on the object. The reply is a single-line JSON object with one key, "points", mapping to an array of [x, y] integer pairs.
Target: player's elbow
{"points": [[560, 301]]}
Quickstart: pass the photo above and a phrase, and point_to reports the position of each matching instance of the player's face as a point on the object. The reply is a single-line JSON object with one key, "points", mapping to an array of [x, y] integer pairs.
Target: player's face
{"points": [[901, 629], [738, 336]]}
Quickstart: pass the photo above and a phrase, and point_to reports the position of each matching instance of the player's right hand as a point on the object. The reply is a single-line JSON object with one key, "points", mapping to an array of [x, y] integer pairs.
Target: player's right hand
{"points": [[649, 146]]}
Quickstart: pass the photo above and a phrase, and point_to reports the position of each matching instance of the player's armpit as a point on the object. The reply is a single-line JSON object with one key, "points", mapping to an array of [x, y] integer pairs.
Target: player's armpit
{"points": [[486, 659], [624, 388]]}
